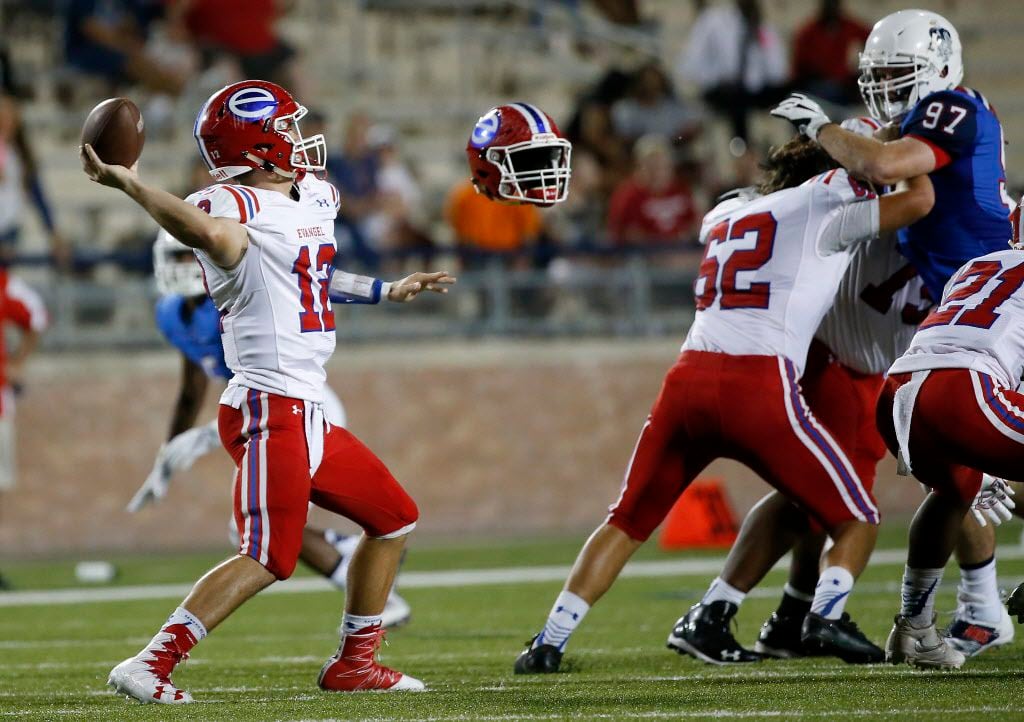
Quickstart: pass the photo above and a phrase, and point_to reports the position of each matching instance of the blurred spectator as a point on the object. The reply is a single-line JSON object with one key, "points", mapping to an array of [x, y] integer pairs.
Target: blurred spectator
{"points": [[591, 130], [654, 206], [19, 175], [106, 39], [737, 60], [245, 31], [652, 107], [483, 227], [354, 171], [620, 12], [825, 54], [396, 224]]}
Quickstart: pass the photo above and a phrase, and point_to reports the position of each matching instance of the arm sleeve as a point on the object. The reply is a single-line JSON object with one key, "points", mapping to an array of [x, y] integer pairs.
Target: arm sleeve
{"points": [[224, 201], [849, 225], [24, 307], [947, 123], [850, 210], [350, 288]]}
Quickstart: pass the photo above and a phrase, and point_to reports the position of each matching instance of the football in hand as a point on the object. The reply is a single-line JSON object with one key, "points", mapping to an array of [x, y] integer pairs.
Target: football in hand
{"points": [[116, 131]]}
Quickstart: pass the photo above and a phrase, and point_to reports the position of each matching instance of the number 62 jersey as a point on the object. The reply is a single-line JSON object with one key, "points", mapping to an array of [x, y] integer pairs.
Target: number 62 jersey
{"points": [[773, 264], [277, 325], [979, 325]]}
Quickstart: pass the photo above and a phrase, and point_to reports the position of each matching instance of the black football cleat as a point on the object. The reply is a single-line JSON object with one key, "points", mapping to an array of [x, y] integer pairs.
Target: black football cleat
{"points": [[704, 634], [780, 637], [1015, 604], [839, 638], [542, 659]]}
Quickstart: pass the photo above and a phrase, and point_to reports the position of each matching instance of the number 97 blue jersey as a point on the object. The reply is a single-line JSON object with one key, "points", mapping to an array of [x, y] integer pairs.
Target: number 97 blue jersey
{"points": [[971, 216]]}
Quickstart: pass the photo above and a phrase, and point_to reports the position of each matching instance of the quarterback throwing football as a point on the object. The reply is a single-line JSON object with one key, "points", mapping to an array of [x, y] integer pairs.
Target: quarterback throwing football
{"points": [[266, 246]]}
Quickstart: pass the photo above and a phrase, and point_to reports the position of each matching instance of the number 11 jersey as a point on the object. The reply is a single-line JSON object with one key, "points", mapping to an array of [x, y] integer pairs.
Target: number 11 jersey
{"points": [[277, 325], [979, 325], [772, 266]]}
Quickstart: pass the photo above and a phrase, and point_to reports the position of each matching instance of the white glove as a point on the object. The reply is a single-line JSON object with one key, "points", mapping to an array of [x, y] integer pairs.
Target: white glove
{"points": [[178, 454], [993, 501], [802, 112], [155, 485], [183, 450]]}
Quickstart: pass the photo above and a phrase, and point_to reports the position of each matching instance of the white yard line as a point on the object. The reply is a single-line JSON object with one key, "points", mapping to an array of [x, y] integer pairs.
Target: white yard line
{"points": [[423, 580]]}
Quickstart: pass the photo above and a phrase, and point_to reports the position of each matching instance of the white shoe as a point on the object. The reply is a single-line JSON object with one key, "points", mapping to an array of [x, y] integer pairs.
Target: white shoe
{"points": [[396, 611], [920, 646], [137, 678], [972, 637]]}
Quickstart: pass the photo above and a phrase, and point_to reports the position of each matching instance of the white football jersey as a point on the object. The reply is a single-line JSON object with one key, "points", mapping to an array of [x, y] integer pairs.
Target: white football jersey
{"points": [[773, 264], [979, 324], [880, 302], [277, 325]]}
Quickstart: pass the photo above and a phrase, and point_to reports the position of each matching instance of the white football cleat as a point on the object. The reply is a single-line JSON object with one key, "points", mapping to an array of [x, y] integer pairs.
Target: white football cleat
{"points": [[920, 646], [136, 678], [972, 637], [396, 611]]}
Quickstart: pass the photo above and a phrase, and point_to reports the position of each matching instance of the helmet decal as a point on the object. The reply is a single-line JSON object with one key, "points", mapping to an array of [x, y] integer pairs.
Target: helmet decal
{"points": [[534, 117], [252, 104], [941, 42], [485, 129]]}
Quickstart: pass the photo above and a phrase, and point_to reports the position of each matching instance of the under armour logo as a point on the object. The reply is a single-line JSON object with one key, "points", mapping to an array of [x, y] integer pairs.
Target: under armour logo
{"points": [[733, 656], [322, 202], [296, 409]]}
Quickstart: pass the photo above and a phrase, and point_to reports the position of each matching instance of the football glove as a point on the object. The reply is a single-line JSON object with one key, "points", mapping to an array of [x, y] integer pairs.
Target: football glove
{"points": [[994, 500], [178, 454], [805, 114]]}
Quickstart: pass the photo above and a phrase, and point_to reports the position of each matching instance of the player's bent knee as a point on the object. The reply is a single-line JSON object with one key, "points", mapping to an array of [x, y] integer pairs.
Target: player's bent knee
{"points": [[282, 567], [638, 533], [397, 534]]}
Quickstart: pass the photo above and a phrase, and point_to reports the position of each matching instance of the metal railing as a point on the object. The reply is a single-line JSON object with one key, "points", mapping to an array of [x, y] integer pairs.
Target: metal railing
{"points": [[581, 294]]}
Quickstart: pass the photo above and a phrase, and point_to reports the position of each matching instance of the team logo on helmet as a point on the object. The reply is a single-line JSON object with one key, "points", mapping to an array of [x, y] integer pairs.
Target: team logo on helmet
{"points": [[941, 42], [485, 129], [252, 104]]}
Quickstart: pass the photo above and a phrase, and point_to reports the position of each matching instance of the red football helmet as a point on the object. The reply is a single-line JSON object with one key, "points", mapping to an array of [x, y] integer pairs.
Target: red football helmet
{"points": [[255, 124], [516, 153]]}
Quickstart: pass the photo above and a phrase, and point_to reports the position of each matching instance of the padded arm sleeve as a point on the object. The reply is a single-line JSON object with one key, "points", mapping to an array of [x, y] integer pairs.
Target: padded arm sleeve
{"points": [[350, 288], [849, 225]]}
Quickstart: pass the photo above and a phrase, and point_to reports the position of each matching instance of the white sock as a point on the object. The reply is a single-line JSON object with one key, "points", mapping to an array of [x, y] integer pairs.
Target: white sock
{"points": [[918, 594], [183, 616], [566, 614], [722, 590], [979, 593], [352, 623], [339, 577], [834, 587]]}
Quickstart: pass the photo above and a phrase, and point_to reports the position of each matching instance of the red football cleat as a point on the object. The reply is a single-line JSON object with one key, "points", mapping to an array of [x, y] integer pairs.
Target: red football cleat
{"points": [[354, 667]]}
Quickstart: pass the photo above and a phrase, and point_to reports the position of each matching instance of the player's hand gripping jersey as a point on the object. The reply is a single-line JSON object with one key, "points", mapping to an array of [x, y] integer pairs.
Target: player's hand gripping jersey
{"points": [[972, 208], [772, 266], [979, 325], [277, 322]]}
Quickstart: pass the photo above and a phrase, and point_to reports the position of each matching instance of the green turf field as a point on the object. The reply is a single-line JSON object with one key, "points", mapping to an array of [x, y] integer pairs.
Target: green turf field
{"points": [[262, 663]]}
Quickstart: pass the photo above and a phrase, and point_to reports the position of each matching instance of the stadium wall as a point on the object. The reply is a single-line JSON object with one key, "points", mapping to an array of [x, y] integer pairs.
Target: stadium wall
{"points": [[491, 438]]}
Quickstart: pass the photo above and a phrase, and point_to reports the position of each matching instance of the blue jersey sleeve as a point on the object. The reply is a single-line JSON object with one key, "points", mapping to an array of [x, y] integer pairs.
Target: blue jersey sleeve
{"points": [[947, 122]]}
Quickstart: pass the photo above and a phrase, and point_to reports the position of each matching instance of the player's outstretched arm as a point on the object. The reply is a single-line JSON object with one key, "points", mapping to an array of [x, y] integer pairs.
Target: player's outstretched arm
{"points": [[882, 163], [912, 200], [351, 288], [223, 240]]}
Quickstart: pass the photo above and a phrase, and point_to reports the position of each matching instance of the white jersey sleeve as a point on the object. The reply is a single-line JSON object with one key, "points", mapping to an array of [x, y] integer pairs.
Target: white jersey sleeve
{"points": [[239, 203], [851, 211], [978, 325]]}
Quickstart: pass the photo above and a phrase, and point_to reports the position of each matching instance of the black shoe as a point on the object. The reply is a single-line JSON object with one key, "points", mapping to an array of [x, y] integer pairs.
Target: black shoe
{"points": [[839, 638], [704, 634], [543, 659], [780, 637], [1015, 604]]}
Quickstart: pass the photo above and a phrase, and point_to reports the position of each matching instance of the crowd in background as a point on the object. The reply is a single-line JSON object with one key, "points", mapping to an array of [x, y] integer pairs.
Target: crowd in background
{"points": [[637, 181]]}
